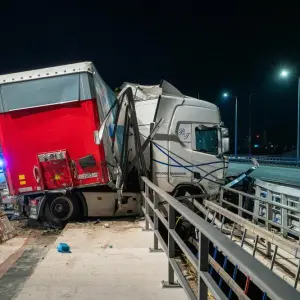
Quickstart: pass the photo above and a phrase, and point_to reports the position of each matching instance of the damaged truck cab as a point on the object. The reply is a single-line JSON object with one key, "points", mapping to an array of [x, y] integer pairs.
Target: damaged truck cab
{"points": [[71, 148]]}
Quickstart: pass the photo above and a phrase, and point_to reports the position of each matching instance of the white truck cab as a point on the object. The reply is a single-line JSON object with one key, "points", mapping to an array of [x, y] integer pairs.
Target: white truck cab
{"points": [[189, 145]]}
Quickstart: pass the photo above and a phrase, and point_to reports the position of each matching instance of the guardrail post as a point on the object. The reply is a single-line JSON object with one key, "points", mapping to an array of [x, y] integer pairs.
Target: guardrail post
{"points": [[171, 250], [240, 205], [256, 204], [203, 253], [155, 246], [274, 286], [147, 192], [297, 275], [221, 201], [269, 217], [284, 216], [221, 195]]}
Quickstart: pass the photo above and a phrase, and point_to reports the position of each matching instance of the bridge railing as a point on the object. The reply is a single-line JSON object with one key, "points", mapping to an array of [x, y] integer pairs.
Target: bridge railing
{"points": [[277, 206], [269, 283], [272, 214], [267, 160], [288, 218]]}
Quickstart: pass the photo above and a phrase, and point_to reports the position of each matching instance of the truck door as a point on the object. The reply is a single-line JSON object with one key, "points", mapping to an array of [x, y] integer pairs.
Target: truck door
{"points": [[208, 168], [180, 154], [194, 142]]}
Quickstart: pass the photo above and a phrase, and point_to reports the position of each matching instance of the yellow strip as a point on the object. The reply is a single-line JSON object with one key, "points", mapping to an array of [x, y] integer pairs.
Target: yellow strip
{"points": [[22, 182], [21, 177], [57, 177]]}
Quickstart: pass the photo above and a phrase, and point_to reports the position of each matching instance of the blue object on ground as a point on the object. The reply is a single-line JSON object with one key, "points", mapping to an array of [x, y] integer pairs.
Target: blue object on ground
{"points": [[63, 248]]}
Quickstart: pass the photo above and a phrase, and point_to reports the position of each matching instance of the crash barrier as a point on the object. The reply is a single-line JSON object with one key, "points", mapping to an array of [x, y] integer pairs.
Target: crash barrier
{"points": [[6, 229], [270, 284], [275, 205], [288, 218], [267, 160], [248, 232]]}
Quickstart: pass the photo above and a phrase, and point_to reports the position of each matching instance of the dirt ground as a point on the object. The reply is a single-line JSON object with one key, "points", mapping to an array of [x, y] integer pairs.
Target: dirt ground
{"points": [[31, 228], [20, 255], [36, 239]]}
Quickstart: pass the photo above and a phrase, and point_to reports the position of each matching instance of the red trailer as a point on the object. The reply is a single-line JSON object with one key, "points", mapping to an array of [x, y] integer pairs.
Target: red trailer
{"points": [[70, 146], [50, 121]]}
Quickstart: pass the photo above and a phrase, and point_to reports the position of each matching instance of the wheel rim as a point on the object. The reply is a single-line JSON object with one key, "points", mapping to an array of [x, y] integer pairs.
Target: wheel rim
{"points": [[61, 208]]}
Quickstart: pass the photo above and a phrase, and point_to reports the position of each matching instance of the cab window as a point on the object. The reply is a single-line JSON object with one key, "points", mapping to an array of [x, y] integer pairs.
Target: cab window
{"points": [[207, 140]]}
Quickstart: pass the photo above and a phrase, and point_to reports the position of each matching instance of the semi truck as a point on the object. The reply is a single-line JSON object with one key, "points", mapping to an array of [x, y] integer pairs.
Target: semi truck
{"points": [[72, 148]]}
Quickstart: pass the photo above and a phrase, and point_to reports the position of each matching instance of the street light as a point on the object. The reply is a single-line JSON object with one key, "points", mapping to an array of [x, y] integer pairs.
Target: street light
{"points": [[250, 123], [285, 74], [226, 95]]}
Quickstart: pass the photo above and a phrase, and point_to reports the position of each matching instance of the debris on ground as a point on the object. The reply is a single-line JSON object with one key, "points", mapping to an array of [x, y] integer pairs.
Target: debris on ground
{"points": [[98, 221], [51, 231], [107, 246], [7, 231], [33, 228], [125, 224], [63, 248], [190, 275]]}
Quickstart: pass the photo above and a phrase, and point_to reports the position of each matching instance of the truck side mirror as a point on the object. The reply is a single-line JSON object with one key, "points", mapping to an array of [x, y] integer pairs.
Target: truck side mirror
{"points": [[224, 132], [225, 144], [225, 139]]}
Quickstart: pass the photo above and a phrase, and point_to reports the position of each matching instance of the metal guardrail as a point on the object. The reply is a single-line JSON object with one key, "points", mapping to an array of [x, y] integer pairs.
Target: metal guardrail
{"points": [[274, 287], [267, 160], [266, 209], [273, 207], [278, 194], [248, 229]]}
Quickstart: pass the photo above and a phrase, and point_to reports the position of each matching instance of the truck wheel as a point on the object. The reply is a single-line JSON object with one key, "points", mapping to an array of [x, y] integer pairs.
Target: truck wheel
{"points": [[61, 210]]}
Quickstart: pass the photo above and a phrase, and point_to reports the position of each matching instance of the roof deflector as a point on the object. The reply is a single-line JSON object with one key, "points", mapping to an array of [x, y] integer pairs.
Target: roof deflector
{"points": [[168, 88]]}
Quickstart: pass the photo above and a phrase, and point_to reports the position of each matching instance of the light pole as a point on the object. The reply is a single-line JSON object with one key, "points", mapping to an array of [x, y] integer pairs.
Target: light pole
{"points": [[285, 74], [250, 124], [226, 95]]}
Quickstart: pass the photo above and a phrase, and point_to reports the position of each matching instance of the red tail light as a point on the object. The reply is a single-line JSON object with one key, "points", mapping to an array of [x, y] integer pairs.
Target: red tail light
{"points": [[33, 202]]}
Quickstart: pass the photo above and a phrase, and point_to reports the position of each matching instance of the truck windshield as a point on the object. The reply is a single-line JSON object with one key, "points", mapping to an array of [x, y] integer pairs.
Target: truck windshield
{"points": [[207, 140]]}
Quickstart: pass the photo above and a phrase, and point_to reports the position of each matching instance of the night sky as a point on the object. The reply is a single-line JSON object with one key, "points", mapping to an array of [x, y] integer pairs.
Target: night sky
{"points": [[145, 43]]}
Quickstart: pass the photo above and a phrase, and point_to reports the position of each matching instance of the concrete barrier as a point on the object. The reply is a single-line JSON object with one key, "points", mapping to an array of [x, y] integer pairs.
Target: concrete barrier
{"points": [[6, 229]]}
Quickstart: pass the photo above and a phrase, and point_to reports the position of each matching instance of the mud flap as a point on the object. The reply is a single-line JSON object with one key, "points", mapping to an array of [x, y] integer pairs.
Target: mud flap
{"points": [[6, 229]]}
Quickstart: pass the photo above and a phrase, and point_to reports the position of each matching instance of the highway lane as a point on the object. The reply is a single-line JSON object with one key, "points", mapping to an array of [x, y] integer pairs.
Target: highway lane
{"points": [[284, 175]]}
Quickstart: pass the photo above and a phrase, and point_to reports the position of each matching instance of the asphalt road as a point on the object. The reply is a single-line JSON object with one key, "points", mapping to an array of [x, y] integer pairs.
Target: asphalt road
{"points": [[284, 175]]}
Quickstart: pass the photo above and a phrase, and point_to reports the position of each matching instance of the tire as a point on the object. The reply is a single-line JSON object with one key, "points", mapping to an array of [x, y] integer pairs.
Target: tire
{"points": [[61, 209]]}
